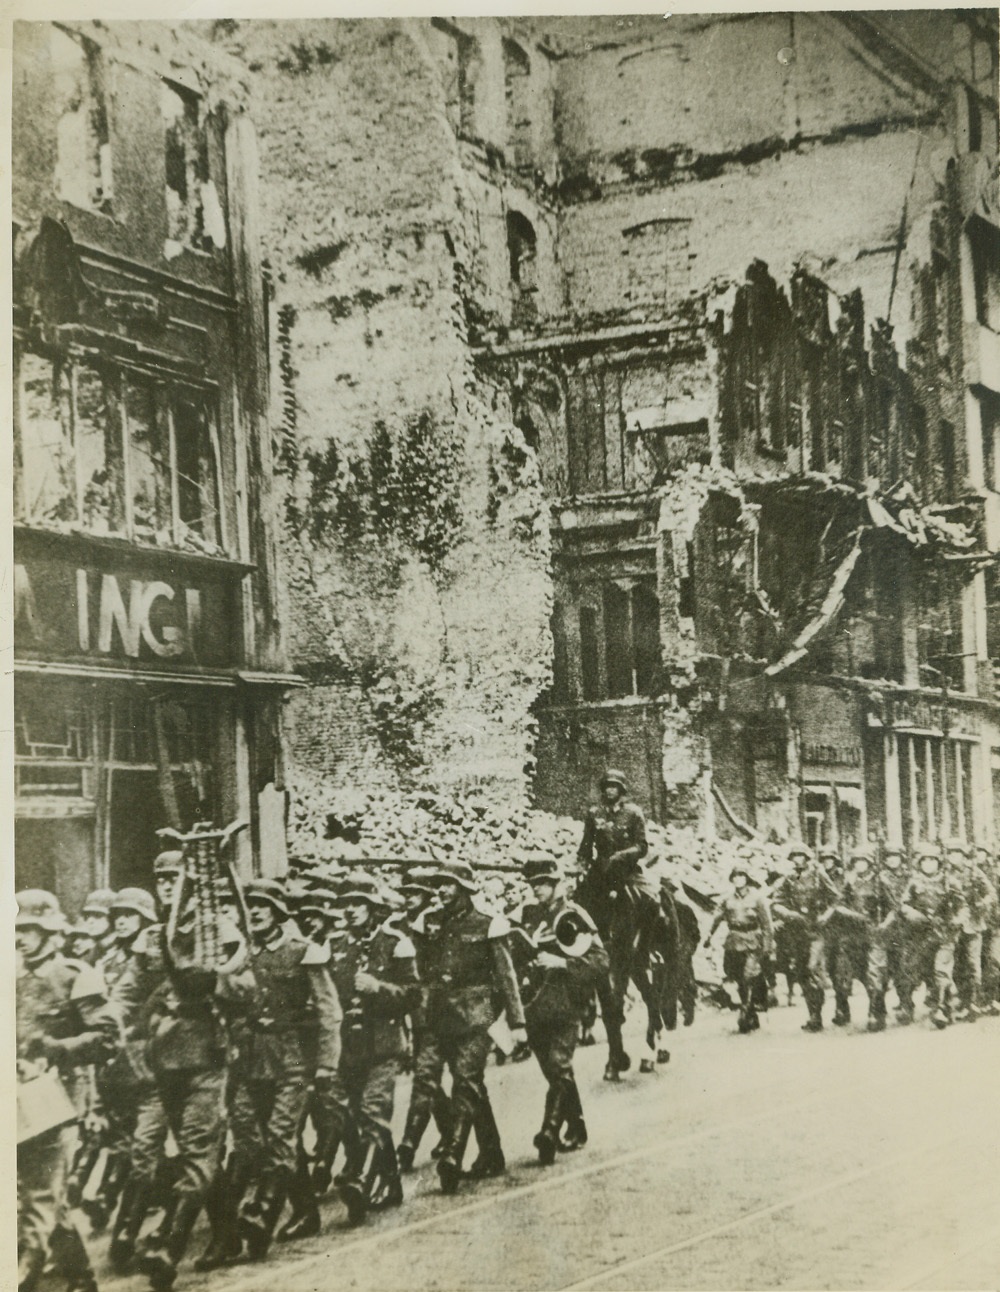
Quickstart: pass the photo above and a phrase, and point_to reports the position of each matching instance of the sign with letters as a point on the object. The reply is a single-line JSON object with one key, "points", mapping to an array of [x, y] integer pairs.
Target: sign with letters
{"points": [[134, 608]]}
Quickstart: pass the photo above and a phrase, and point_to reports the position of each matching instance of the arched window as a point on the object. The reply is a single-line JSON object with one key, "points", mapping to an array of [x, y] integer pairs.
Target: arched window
{"points": [[521, 248]]}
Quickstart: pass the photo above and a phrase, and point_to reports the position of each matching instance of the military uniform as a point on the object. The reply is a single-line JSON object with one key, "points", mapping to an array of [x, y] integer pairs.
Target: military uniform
{"points": [[559, 998], [991, 938], [798, 901], [929, 909], [471, 980], [362, 1093], [186, 1054], [980, 900], [881, 904], [63, 1023], [291, 1028], [613, 844], [749, 945]]}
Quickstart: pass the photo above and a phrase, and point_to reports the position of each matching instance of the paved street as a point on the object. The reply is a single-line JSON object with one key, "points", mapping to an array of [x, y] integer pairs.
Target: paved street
{"points": [[779, 1160]]}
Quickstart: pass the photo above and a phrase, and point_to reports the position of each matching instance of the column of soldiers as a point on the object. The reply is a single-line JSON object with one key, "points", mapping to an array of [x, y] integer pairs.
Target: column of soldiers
{"points": [[883, 920], [236, 1091]]}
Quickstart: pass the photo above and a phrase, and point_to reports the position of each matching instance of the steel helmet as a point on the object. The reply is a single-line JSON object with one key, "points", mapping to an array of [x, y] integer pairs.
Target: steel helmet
{"points": [[136, 900], [37, 908], [99, 901]]}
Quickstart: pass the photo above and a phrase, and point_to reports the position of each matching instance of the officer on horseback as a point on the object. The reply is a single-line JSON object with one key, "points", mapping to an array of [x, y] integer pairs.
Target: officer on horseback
{"points": [[613, 844]]}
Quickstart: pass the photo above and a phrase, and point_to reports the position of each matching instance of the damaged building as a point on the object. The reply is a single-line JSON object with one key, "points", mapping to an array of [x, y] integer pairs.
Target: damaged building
{"points": [[623, 418], [562, 407], [148, 654]]}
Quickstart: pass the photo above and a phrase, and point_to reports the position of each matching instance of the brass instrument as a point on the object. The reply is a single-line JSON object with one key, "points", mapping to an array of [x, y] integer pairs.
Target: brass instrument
{"points": [[573, 934], [194, 908]]}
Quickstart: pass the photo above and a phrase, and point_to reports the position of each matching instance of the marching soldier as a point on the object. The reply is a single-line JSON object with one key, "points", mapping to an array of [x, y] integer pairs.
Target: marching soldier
{"points": [[142, 974], [798, 901], [374, 970], [564, 977], [749, 945], [885, 937], [929, 907], [186, 1053], [64, 1022], [289, 1034], [850, 924], [427, 1096], [471, 980], [980, 898]]}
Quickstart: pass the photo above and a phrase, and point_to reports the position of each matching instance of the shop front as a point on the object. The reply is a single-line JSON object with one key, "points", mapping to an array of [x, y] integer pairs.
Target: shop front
{"points": [[130, 713]]}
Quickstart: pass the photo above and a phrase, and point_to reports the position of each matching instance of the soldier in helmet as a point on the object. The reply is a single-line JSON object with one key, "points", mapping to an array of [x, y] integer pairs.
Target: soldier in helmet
{"points": [[885, 936], [288, 1034], [95, 914], [850, 925], [427, 1097], [64, 1022], [186, 1018], [798, 901], [749, 945], [979, 900], [987, 861], [929, 908], [563, 980], [374, 969], [469, 970], [137, 976], [120, 1088]]}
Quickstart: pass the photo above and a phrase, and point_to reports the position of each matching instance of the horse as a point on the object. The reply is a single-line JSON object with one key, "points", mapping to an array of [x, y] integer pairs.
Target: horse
{"points": [[641, 933]]}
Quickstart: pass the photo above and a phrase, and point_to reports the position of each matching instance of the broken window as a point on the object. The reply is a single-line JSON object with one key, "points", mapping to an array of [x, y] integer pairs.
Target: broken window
{"points": [[619, 623], [83, 150], [989, 420], [984, 243], [940, 650], [522, 250], [194, 216], [457, 56], [517, 85], [197, 476], [115, 452]]}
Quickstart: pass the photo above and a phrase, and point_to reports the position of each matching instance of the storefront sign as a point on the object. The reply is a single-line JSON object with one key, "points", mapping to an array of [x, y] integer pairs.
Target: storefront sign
{"points": [[119, 610], [832, 755]]}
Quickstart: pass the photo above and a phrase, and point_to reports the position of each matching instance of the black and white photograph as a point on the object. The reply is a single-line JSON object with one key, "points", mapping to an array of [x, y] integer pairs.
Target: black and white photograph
{"points": [[504, 618]]}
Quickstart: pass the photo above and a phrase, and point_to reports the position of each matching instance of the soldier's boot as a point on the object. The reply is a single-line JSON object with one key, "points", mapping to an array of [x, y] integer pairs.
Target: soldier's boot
{"points": [[30, 1265], [576, 1128], [389, 1187], [444, 1115], [69, 1256], [449, 1165], [159, 1264], [490, 1161], [842, 1014], [135, 1206], [329, 1137], [357, 1187], [222, 1203], [304, 1221], [547, 1139], [418, 1117], [256, 1226]]}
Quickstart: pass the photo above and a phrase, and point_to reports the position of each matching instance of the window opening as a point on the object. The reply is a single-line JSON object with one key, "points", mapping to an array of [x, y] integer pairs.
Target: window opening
{"points": [[984, 243], [939, 632], [83, 149], [522, 250], [517, 85], [186, 157]]}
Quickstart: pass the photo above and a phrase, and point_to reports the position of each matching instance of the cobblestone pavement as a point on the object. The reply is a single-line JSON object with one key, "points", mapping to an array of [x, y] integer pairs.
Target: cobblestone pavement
{"points": [[776, 1160]]}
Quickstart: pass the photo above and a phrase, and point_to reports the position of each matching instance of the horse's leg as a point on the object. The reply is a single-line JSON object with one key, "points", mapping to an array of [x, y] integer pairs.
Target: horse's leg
{"points": [[645, 980], [611, 994]]}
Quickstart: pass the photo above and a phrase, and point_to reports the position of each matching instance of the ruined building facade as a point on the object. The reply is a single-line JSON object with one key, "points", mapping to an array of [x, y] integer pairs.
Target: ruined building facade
{"points": [[635, 401], [149, 658]]}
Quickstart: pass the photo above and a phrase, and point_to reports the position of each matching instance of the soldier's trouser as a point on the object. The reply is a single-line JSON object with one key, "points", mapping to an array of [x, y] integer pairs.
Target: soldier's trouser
{"points": [[42, 1165], [466, 1059], [815, 975], [745, 968], [149, 1136], [969, 967], [850, 962], [266, 1119], [931, 959], [553, 1043], [361, 1097], [427, 1098], [192, 1104], [883, 963]]}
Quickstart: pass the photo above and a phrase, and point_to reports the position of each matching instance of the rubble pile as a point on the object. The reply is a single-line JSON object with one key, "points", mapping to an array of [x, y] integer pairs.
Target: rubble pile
{"points": [[348, 827]]}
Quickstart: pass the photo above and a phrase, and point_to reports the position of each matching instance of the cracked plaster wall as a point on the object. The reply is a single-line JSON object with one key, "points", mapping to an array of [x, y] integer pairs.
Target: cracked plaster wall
{"points": [[375, 231]]}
